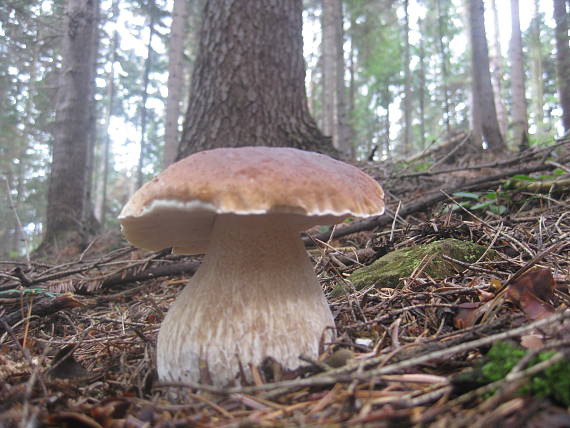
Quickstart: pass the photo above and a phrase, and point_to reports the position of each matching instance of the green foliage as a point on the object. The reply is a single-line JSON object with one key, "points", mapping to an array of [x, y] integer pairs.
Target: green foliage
{"points": [[553, 382], [493, 201]]}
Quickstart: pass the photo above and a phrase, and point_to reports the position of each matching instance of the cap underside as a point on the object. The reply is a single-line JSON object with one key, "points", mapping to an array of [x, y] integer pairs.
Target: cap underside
{"points": [[186, 226]]}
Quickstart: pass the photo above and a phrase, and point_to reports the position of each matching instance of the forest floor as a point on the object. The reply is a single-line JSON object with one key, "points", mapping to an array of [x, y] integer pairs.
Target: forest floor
{"points": [[486, 344]]}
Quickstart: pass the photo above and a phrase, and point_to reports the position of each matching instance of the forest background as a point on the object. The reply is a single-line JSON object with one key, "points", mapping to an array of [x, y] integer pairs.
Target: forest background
{"points": [[387, 79]]}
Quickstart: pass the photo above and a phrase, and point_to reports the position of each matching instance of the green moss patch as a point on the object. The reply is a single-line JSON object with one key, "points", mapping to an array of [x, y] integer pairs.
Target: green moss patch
{"points": [[387, 270]]}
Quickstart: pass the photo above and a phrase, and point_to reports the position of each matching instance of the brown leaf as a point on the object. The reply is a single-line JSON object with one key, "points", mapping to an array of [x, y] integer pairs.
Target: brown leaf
{"points": [[468, 313], [531, 293]]}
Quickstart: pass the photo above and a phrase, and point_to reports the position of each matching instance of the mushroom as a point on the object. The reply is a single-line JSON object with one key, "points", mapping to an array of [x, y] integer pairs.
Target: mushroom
{"points": [[255, 295]]}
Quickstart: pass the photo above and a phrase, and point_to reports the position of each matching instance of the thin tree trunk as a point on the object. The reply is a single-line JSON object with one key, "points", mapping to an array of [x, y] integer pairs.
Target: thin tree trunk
{"points": [[146, 74], [387, 147], [334, 107], [481, 75], [101, 197], [497, 72], [537, 70], [407, 85], [89, 221], [444, 71], [351, 93], [519, 108], [563, 60], [248, 84], [422, 91], [69, 159], [175, 79], [342, 132]]}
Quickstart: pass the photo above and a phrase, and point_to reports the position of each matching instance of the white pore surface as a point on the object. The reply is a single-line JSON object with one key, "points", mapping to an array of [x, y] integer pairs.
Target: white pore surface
{"points": [[254, 296]]}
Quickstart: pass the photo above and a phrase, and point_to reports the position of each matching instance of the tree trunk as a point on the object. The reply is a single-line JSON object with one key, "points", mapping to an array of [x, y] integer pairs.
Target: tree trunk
{"points": [[519, 109], [334, 97], [481, 75], [146, 74], [444, 69], [89, 220], [407, 149], [248, 86], [422, 91], [329, 29], [563, 60], [497, 73], [342, 129], [175, 79], [537, 70], [71, 130], [351, 105], [387, 149], [101, 196]]}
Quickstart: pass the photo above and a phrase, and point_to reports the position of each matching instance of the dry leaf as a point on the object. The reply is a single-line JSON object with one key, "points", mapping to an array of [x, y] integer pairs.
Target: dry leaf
{"points": [[531, 293]]}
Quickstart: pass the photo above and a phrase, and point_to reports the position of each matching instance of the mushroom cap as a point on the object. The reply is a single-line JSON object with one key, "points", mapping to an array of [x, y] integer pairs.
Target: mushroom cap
{"points": [[178, 207]]}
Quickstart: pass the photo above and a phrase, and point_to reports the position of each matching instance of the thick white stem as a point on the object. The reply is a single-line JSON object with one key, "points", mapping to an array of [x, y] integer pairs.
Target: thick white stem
{"points": [[255, 296]]}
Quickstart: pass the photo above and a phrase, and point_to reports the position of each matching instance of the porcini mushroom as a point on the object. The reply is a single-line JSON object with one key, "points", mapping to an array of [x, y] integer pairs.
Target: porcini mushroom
{"points": [[255, 294]]}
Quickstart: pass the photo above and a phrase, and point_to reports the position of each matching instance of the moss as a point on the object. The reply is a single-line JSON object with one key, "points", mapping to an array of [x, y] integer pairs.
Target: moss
{"points": [[553, 382], [387, 271]]}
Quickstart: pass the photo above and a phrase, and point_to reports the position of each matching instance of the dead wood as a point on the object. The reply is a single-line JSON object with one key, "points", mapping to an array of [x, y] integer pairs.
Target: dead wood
{"points": [[188, 267], [450, 145], [40, 307]]}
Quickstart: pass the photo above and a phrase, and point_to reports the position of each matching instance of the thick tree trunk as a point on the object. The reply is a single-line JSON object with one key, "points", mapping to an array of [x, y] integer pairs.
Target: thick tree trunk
{"points": [[519, 107], [71, 131], [175, 79], [248, 85], [481, 75], [563, 60]]}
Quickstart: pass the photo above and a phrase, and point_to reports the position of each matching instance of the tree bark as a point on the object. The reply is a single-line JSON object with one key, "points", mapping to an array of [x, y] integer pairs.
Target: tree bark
{"points": [[101, 196], [248, 85], [146, 79], [422, 90], [497, 72], [537, 70], [88, 220], [175, 79], [519, 106], [334, 99], [563, 60], [443, 49], [481, 75], [329, 46], [407, 149], [71, 130]]}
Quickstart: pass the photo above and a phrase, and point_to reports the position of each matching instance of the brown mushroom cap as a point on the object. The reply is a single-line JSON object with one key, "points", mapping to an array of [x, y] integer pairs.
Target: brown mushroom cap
{"points": [[178, 207]]}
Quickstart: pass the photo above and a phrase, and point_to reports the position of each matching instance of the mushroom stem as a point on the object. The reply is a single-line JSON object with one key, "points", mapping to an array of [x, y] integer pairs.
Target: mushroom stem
{"points": [[254, 296]]}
